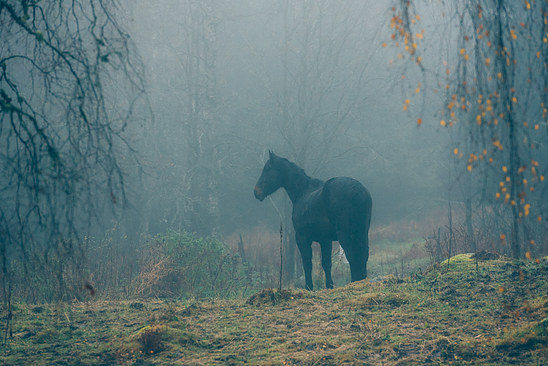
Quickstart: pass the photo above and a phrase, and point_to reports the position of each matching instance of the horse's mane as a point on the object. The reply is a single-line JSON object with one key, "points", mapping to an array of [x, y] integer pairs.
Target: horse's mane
{"points": [[299, 173]]}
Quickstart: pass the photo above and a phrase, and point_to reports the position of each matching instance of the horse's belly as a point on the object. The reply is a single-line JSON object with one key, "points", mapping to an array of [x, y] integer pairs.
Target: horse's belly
{"points": [[318, 231], [310, 218]]}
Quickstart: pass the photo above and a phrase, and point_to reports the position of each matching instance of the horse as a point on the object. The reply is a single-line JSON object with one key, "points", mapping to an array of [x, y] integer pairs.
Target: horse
{"points": [[323, 212]]}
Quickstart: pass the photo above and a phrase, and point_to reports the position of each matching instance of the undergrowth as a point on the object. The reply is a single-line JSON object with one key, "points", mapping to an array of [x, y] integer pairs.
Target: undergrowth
{"points": [[463, 311]]}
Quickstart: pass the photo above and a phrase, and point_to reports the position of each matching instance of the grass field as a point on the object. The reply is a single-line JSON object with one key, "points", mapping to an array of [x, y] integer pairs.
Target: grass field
{"points": [[462, 312]]}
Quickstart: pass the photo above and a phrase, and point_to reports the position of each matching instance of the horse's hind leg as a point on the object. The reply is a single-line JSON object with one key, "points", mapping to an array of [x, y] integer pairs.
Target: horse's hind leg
{"points": [[358, 268], [326, 247], [356, 249]]}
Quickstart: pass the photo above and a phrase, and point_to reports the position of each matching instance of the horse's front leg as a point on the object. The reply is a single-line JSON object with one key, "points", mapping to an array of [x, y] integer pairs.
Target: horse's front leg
{"points": [[327, 249], [305, 247]]}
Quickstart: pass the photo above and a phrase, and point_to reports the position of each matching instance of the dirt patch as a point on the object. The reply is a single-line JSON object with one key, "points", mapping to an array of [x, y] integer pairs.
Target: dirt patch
{"points": [[526, 338], [273, 297]]}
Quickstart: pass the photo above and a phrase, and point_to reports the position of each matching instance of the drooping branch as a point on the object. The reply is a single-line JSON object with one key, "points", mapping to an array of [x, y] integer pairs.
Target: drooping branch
{"points": [[69, 87]]}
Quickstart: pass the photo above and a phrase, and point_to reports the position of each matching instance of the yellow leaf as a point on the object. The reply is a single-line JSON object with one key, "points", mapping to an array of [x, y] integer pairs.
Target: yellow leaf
{"points": [[443, 123], [462, 51], [528, 254], [418, 36], [502, 237], [455, 150], [497, 195], [504, 168], [501, 289], [469, 167], [419, 121]]}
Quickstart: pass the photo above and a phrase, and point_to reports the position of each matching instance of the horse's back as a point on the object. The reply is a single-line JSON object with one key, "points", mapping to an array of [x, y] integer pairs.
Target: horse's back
{"points": [[348, 202]]}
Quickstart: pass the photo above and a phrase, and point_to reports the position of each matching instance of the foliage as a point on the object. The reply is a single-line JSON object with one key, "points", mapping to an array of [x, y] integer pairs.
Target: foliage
{"points": [[182, 264], [493, 81], [455, 313]]}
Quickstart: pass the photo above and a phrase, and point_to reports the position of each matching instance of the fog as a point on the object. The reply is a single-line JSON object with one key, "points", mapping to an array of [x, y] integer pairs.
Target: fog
{"points": [[133, 134], [140, 146], [226, 82]]}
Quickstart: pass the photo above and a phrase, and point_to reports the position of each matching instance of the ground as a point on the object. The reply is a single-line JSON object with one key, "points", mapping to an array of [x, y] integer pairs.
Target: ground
{"points": [[465, 311]]}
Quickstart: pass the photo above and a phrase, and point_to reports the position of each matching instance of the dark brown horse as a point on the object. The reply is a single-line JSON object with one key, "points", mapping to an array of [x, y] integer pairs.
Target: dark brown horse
{"points": [[338, 209]]}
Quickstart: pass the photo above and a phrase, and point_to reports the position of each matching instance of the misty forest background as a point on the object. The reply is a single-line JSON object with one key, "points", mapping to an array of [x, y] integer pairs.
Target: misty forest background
{"points": [[132, 135]]}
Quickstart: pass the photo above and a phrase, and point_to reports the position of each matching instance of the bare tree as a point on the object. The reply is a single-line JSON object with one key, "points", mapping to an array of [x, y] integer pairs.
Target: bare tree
{"points": [[69, 87], [183, 175]]}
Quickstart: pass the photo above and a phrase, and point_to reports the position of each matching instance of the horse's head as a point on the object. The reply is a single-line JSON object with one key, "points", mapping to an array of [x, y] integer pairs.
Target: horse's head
{"points": [[271, 178]]}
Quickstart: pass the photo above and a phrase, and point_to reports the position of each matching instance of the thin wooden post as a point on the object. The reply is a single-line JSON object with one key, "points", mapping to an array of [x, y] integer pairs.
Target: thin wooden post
{"points": [[281, 255]]}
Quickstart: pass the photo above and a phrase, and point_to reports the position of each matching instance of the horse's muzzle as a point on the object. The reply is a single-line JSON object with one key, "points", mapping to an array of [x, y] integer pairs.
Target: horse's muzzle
{"points": [[258, 193]]}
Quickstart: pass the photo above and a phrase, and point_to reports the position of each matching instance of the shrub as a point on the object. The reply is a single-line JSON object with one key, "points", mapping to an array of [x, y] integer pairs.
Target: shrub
{"points": [[182, 264]]}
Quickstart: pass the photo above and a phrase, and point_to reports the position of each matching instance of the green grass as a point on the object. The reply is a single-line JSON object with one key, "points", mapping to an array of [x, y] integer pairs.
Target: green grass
{"points": [[389, 256], [495, 314]]}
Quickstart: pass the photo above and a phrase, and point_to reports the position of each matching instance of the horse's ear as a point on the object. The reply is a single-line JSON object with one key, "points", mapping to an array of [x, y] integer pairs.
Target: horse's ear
{"points": [[270, 154]]}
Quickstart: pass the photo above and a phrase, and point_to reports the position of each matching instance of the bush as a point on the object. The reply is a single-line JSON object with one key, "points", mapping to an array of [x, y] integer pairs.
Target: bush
{"points": [[150, 339], [182, 264]]}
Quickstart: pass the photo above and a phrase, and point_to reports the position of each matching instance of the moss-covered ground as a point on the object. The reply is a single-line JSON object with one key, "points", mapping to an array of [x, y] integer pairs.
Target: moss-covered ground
{"points": [[486, 312]]}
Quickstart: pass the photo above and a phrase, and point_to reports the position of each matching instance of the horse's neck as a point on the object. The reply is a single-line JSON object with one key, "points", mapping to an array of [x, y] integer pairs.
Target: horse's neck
{"points": [[299, 184]]}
